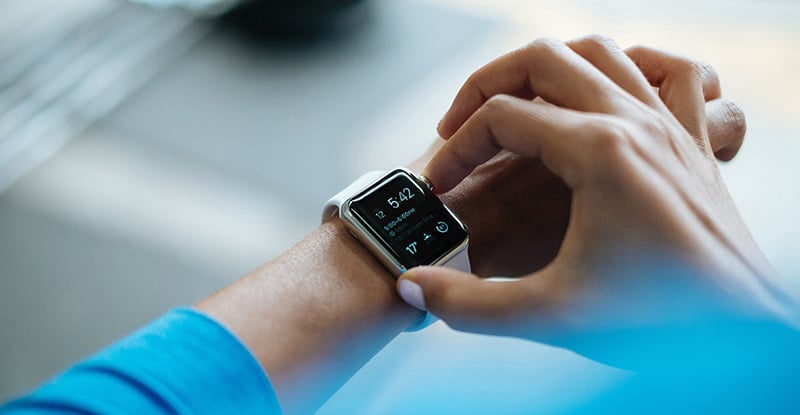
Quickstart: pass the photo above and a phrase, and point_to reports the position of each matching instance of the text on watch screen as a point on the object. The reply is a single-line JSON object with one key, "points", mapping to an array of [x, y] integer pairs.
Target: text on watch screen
{"points": [[412, 223]]}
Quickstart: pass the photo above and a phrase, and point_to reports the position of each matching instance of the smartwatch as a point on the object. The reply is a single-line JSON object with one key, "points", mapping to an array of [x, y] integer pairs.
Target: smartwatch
{"points": [[402, 223]]}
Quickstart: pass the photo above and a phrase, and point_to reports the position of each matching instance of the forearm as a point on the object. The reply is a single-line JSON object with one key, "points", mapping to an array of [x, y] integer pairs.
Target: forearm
{"points": [[314, 315]]}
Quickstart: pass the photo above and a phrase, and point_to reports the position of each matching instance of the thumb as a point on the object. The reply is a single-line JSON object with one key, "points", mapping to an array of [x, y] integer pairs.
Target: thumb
{"points": [[465, 301]]}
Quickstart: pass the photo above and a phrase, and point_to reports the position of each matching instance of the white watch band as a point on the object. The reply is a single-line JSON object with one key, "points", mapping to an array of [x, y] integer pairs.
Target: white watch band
{"points": [[331, 208], [460, 261]]}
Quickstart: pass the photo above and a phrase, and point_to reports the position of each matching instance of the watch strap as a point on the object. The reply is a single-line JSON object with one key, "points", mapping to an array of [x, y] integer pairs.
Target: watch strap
{"points": [[460, 261], [331, 208]]}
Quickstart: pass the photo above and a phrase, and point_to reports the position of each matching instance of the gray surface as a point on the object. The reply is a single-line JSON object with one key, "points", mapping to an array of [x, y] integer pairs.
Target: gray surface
{"points": [[215, 166], [285, 114], [66, 292]]}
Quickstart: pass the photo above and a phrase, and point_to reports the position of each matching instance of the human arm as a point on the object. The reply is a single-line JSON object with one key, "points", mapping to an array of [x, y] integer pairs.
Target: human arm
{"points": [[315, 314]]}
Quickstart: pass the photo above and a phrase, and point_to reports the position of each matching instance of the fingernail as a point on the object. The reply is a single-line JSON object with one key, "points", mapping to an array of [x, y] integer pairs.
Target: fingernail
{"points": [[411, 293]]}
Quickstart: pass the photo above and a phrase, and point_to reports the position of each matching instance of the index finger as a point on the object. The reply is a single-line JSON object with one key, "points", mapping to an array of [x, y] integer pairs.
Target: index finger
{"points": [[556, 136], [544, 68]]}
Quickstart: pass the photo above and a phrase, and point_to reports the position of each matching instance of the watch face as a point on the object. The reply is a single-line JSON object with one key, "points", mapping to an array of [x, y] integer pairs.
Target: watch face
{"points": [[409, 220]]}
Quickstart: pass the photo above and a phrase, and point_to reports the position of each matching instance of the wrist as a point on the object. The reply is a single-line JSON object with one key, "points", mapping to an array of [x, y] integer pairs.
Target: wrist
{"points": [[313, 316], [365, 288]]}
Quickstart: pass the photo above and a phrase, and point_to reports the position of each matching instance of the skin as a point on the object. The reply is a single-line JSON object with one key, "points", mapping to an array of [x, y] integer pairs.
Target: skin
{"points": [[633, 135], [316, 314]]}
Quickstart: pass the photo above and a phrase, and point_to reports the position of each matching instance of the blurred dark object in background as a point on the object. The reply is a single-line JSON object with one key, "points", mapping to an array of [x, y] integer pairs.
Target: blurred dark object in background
{"points": [[276, 18], [297, 18]]}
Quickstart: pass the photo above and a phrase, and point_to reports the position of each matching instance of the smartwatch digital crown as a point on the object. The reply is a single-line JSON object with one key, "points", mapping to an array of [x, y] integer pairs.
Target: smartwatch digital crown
{"points": [[399, 219]]}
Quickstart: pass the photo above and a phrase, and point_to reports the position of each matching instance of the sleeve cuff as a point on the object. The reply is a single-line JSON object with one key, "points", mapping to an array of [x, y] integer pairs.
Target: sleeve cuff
{"points": [[183, 362]]}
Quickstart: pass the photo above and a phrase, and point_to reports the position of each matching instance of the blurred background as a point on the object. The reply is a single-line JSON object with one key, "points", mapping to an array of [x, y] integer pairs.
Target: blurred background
{"points": [[152, 152]]}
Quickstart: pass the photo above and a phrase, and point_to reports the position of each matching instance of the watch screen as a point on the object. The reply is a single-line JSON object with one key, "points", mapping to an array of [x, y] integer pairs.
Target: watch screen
{"points": [[411, 222]]}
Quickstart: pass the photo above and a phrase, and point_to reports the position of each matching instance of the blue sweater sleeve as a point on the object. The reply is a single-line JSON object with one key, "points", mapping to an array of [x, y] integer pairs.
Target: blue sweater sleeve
{"points": [[182, 363]]}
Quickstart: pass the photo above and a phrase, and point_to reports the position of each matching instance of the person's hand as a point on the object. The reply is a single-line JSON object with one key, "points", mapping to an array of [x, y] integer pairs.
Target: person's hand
{"points": [[489, 199], [653, 236]]}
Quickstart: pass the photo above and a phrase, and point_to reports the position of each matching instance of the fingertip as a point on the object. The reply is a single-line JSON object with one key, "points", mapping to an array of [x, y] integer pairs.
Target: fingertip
{"points": [[411, 293], [416, 275], [410, 289], [410, 285], [444, 128], [440, 129]]}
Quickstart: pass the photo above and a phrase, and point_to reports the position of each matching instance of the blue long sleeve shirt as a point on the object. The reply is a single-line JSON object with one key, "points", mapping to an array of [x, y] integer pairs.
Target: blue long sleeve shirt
{"points": [[184, 362], [187, 363]]}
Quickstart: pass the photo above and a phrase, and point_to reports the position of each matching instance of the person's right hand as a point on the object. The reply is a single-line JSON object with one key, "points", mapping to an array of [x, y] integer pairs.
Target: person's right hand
{"points": [[491, 196], [653, 236]]}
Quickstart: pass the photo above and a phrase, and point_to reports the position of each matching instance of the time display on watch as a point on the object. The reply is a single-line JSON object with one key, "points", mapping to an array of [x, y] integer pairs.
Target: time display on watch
{"points": [[410, 221]]}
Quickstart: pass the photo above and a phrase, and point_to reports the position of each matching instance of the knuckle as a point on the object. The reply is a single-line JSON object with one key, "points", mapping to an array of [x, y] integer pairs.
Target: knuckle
{"points": [[734, 118], [544, 46], [610, 141], [637, 50], [491, 115], [684, 65], [697, 70], [496, 103], [657, 126], [707, 72], [641, 55], [598, 41]]}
